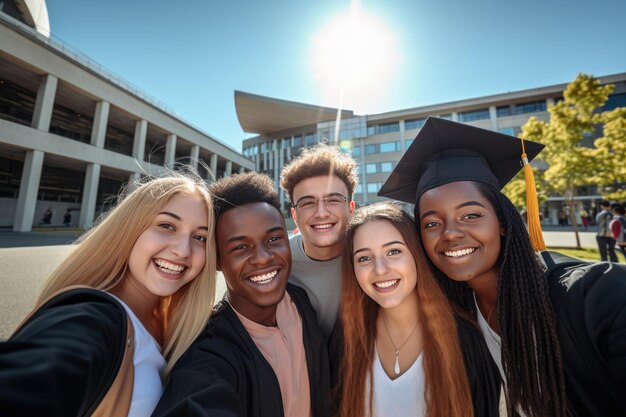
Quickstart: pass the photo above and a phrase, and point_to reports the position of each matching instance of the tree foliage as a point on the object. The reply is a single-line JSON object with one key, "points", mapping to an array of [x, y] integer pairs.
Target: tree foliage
{"points": [[572, 160]]}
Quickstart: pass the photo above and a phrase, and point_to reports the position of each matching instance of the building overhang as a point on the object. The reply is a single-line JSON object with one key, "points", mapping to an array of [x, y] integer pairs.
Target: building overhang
{"points": [[263, 115]]}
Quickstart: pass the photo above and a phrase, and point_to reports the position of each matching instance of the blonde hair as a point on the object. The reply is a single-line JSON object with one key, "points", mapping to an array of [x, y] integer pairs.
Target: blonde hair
{"points": [[101, 258]]}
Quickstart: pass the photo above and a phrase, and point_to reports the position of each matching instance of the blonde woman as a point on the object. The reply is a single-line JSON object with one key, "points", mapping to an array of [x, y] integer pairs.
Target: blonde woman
{"points": [[150, 260]]}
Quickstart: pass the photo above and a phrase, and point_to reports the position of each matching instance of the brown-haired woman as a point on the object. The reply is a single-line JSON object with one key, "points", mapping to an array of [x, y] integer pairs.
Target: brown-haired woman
{"points": [[405, 351]]}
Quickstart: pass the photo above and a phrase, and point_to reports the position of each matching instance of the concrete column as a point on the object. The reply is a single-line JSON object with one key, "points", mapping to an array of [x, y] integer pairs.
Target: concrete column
{"points": [[42, 113], [170, 150], [241, 170], [213, 167], [402, 138], [228, 169], [549, 102], [455, 116], [195, 156], [99, 130], [139, 142], [27, 197], [493, 116], [90, 192]]}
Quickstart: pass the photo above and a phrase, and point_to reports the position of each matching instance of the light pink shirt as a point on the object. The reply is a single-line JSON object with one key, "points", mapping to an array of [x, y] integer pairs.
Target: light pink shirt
{"points": [[282, 346]]}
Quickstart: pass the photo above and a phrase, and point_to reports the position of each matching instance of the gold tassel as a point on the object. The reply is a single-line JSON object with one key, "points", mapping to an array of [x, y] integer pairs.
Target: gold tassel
{"points": [[532, 206]]}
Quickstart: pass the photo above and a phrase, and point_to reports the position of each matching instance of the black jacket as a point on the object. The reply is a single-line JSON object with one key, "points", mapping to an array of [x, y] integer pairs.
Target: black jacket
{"points": [[64, 359], [224, 373], [589, 301]]}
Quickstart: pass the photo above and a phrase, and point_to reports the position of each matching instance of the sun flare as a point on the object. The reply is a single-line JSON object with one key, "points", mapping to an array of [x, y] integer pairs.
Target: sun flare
{"points": [[354, 59]]}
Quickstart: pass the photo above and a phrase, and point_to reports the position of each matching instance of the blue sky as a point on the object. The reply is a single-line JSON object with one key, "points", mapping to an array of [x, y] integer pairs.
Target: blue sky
{"points": [[193, 54]]}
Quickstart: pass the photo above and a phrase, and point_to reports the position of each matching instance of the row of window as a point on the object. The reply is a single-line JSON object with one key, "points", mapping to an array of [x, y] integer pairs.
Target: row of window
{"points": [[522, 108]]}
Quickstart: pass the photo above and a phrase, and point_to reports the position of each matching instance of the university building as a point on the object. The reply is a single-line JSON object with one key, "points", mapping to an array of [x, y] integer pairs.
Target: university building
{"points": [[378, 141], [72, 133]]}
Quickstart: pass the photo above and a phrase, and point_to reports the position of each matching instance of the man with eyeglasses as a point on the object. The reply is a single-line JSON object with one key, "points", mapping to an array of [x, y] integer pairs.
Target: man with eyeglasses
{"points": [[320, 183]]}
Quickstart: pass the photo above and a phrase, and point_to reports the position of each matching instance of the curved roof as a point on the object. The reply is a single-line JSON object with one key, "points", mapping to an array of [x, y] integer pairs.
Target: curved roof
{"points": [[262, 115], [35, 14]]}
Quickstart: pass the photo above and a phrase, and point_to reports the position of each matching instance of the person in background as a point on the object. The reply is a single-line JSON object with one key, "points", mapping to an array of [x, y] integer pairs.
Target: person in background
{"points": [[554, 325], [320, 184], [406, 353], [262, 352], [584, 217], [618, 227], [67, 218], [606, 243], [147, 277]]}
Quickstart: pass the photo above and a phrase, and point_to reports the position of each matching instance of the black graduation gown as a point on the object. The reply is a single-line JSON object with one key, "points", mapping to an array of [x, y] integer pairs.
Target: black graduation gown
{"points": [[590, 305], [63, 361], [224, 373]]}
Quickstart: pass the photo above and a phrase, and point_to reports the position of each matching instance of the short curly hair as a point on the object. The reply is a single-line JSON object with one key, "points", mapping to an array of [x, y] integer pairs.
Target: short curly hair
{"points": [[249, 187], [320, 160]]}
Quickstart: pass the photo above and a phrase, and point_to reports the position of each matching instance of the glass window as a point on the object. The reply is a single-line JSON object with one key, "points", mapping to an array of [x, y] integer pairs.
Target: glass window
{"points": [[356, 151], [470, 116], [264, 147], [414, 124], [389, 127], [286, 142], [408, 143], [614, 101], [310, 139], [358, 189], [446, 116], [371, 130], [503, 111], [370, 149], [390, 146], [386, 167], [297, 141], [373, 187], [532, 107], [371, 168], [507, 131]]}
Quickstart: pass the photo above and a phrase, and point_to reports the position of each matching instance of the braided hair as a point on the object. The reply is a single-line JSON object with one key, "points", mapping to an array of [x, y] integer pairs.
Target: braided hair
{"points": [[531, 351]]}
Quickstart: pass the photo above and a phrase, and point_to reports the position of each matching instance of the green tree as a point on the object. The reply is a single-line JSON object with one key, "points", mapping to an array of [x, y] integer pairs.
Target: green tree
{"points": [[611, 152], [515, 190], [570, 163]]}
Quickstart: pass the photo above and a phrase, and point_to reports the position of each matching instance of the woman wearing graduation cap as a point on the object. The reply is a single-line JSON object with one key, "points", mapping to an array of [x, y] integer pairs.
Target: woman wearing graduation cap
{"points": [[555, 326]]}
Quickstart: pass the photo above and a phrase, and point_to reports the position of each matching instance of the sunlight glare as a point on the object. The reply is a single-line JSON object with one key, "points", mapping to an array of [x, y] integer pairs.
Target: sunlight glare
{"points": [[354, 59]]}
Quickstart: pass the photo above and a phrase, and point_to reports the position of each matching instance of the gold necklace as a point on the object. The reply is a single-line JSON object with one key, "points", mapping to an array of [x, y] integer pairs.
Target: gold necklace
{"points": [[396, 366]]}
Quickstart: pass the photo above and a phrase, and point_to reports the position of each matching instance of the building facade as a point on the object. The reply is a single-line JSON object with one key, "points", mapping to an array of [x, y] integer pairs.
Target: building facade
{"points": [[378, 141], [72, 133]]}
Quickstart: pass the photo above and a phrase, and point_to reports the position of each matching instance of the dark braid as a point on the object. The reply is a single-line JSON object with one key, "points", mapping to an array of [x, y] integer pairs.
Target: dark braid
{"points": [[534, 371]]}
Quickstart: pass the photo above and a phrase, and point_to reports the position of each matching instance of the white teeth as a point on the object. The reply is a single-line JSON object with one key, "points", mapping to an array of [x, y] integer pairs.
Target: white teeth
{"points": [[457, 253], [386, 284], [265, 278], [323, 226], [169, 268]]}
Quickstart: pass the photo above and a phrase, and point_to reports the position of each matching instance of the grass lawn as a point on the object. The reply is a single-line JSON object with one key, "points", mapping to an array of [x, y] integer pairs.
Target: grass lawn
{"points": [[591, 254]]}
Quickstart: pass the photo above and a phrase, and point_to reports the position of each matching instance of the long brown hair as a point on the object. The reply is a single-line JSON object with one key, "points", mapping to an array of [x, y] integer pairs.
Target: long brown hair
{"points": [[447, 388], [100, 260]]}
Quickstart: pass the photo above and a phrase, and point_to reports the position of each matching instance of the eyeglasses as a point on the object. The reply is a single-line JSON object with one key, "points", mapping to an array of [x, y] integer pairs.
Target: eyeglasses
{"points": [[331, 202]]}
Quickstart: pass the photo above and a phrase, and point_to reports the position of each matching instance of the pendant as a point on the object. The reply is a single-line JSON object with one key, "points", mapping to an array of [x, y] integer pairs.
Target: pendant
{"points": [[396, 367]]}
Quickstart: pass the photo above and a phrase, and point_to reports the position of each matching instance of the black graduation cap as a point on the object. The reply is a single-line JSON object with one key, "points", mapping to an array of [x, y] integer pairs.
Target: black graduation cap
{"points": [[445, 151]]}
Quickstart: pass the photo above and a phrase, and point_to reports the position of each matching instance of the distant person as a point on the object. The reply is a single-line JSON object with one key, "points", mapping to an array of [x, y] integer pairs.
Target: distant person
{"points": [[67, 218], [562, 217], [604, 237], [47, 216], [320, 184], [618, 228], [262, 352], [584, 216], [147, 280]]}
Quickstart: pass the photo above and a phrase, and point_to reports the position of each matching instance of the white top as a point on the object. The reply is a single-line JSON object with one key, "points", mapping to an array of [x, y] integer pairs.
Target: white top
{"points": [[403, 396], [493, 341], [149, 364]]}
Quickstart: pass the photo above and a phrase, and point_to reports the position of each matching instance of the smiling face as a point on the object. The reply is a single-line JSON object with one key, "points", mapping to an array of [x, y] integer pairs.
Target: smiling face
{"points": [[171, 251], [254, 256], [383, 265], [322, 225], [461, 232]]}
